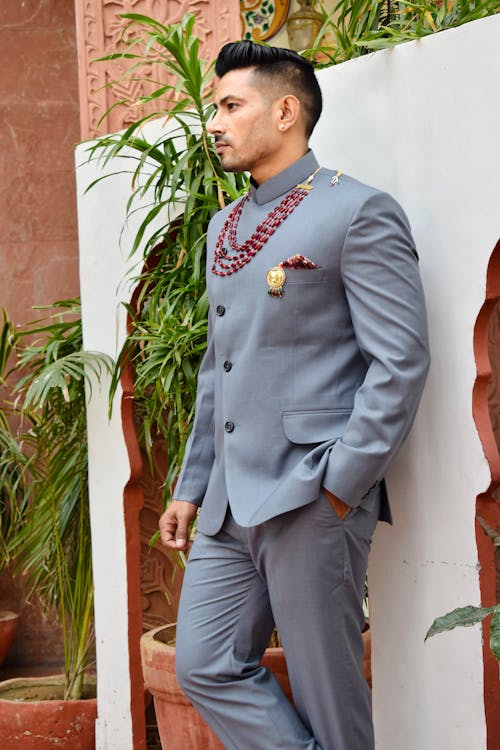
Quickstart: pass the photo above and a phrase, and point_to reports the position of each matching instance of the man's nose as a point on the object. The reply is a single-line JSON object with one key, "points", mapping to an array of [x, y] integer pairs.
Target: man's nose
{"points": [[214, 125]]}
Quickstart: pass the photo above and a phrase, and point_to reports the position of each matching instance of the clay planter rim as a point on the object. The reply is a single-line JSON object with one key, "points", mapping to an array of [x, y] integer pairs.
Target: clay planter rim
{"points": [[6, 615], [152, 635], [26, 682], [273, 657], [45, 724], [271, 651]]}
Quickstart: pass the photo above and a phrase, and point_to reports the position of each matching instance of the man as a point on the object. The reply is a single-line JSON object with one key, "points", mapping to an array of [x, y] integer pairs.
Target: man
{"points": [[316, 359]]}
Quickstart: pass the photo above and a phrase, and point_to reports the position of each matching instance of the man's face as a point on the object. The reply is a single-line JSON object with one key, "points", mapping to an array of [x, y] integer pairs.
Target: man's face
{"points": [[245, 125]]}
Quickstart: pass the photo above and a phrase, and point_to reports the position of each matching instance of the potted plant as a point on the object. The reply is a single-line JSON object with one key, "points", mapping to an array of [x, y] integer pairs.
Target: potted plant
{"points": [[13, 491], [51, 545], [11, 501]]}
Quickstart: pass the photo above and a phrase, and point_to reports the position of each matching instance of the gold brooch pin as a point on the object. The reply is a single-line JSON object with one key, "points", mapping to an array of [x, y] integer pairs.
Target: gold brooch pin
{"points": [[276, 276]]}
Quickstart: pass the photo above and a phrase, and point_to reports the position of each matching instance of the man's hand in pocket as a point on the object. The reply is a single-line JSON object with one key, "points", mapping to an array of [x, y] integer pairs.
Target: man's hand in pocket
{"points": [[338, 505]]}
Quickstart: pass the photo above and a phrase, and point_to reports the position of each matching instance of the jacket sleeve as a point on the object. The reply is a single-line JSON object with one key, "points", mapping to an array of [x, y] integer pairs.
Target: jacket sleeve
{"points": [[199, 453], [379, 269]]}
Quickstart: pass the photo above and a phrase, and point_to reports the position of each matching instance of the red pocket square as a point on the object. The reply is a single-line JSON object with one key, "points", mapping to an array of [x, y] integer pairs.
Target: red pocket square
{"points": [[298, 261]]}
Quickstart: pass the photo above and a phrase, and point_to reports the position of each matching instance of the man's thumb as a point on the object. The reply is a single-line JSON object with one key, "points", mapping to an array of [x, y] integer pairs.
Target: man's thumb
{"points": [[181, 534]]}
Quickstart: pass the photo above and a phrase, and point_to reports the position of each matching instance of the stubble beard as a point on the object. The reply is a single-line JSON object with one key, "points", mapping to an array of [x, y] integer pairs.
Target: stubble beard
{"points": [[232, 162], [231, 165]]}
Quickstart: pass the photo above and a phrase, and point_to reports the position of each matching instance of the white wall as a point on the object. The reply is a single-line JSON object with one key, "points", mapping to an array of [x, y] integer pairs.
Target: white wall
{"points": [[421, 121]]}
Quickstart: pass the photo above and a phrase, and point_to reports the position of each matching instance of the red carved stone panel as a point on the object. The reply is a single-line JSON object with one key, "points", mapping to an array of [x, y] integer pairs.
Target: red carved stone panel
{"points": [[161, 576], [38, 243], [98, 31], [494, 384]]}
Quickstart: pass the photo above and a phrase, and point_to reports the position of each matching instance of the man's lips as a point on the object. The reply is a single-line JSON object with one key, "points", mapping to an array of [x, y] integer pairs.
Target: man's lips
{"points": [[220, 145]]}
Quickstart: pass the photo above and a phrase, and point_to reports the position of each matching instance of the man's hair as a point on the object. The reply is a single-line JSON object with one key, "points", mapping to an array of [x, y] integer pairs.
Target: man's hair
{"points": [[286, 69]]}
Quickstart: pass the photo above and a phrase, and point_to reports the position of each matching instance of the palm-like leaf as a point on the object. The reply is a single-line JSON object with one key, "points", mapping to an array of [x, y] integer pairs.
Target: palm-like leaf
{"points": [[466, 617], [460, 617], [14, 488]]}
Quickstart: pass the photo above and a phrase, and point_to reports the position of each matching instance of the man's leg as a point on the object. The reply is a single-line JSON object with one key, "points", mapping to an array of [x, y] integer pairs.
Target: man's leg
{"points": [[224, 625], [315, 566]]}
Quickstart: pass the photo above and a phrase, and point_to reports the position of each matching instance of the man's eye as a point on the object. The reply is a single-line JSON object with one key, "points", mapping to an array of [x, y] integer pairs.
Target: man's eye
{"points": [[231, 106]]}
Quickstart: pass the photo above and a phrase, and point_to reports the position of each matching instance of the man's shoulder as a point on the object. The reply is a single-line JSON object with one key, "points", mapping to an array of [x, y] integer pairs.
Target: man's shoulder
{"points": [[354, 197], [335, 180]]}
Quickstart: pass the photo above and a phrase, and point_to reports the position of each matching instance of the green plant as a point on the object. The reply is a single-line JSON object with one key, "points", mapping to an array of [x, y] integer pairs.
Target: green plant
{"points": [[469, 615], [179, 173], [51, 541], [356, 27], [14, 488]]}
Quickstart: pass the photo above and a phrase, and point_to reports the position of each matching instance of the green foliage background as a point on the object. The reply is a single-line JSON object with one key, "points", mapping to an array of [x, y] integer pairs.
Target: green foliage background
{"points": [[357, 27]]}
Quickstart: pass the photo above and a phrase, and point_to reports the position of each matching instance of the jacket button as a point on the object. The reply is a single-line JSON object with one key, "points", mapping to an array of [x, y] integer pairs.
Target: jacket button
{"points": [[227, 365], [220, 310], [229, 426]]}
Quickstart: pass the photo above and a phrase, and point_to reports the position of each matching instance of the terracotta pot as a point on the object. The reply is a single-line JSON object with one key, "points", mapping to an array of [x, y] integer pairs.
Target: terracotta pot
{"points": [[8, 626], [179, 724], [34, 717]]}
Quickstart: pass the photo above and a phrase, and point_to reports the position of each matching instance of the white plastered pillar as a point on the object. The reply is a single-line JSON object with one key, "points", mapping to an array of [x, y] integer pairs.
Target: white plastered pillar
{"points": [[106, 281]]}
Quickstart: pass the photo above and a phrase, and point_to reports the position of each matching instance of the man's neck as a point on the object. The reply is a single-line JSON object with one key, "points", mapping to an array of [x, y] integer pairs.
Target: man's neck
{"points": [[279, 163]]}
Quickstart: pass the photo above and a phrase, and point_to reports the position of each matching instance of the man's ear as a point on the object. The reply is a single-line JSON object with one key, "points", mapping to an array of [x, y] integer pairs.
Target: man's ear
{"points": [[288, 112]]}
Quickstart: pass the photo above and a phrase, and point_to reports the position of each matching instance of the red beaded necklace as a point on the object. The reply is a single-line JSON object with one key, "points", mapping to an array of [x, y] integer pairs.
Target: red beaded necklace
{"points": [[225, 264]]}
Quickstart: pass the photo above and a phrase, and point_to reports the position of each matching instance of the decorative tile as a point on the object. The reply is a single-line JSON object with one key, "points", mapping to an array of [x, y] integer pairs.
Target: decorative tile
{"points": [[262, 19]]}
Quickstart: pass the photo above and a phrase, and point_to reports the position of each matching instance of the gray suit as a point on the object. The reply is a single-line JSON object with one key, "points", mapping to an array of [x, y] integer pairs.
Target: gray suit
{"points": [[317, 388]]}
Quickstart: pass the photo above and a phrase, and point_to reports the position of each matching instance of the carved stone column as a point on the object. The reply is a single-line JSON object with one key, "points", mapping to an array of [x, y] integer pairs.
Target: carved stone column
{"points": [[494, 384], [99, 26], [161, 576]]}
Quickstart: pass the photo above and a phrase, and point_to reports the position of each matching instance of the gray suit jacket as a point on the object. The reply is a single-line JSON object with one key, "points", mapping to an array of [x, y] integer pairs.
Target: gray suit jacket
{"points": [[319, 387]]}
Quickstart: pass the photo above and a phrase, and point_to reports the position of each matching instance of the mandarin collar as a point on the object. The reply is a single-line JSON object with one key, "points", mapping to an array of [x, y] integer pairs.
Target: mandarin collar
{"points": [[285, 180]]}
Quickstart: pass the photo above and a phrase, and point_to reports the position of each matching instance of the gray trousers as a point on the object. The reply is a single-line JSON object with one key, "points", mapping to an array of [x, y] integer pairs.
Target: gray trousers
{"points": [[305, 571]]}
